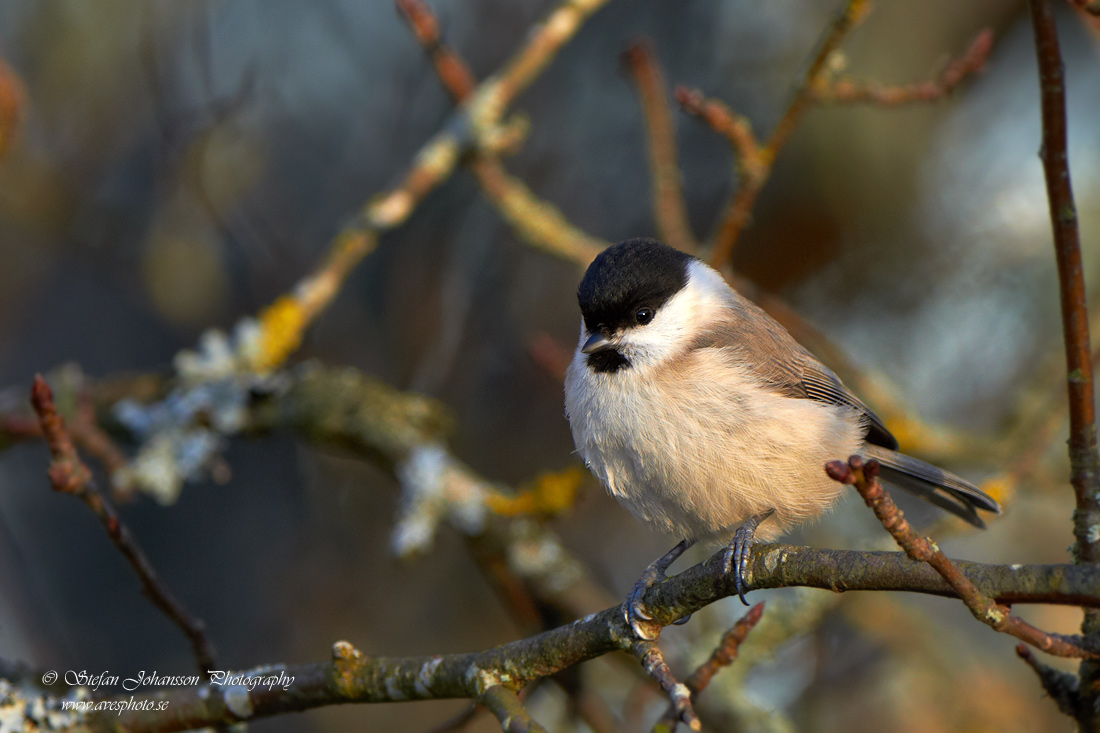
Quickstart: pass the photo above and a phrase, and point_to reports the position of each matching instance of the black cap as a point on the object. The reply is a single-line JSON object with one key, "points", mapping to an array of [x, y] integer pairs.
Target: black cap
{"points": [[628, 276]]}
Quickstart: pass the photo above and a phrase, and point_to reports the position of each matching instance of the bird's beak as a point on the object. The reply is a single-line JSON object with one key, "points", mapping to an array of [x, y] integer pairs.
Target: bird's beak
{"points": [[597, 342]]}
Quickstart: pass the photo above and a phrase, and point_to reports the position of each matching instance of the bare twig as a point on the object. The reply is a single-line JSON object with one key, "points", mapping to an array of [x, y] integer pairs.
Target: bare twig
{"points": [[69, 475], [456, 77], [723, 656], [1084, 459], [679, 695], [844, 90], [285, 321], [505, 704], [727, 649], [1061, 686], [536, 221], [669, 205], [983, 608], [739, 208], [13, 100]]}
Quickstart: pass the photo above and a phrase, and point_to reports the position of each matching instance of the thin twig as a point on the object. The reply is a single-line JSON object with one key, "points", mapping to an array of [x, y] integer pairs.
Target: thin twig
{"points": [[723, 656], [69, 475], [538, 222], [983, 608], [1061, 686], [506, 705], [679, 695], [669, 204], [740, 207], [476, 125], [848, 91], [727, 649]]}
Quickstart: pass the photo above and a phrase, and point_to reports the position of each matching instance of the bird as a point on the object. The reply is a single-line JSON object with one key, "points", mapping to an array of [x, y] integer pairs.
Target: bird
{"points": [[706, 419]]}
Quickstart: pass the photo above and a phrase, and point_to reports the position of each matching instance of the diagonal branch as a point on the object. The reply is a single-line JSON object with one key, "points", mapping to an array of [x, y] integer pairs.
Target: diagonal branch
{"points": [[69, 475], [1061, 686], [983, 607], [739, 208], [538, 222], [506, 705], [283, 324]]}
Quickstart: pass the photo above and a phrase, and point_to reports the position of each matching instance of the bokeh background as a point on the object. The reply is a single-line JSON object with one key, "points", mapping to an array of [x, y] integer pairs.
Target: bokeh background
{"points": [[177, 166]]}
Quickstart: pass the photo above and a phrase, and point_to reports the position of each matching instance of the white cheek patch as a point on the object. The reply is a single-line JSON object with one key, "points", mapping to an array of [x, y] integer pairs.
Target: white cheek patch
{"points": [[679, 320]]}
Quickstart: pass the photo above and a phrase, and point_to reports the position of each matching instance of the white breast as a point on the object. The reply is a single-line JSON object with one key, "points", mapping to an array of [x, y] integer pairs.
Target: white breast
{"points": [[696, 448]]}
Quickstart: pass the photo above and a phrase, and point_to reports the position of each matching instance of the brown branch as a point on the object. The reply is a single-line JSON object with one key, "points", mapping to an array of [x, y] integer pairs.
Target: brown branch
{"points": [[723, 656], [474, 125], [506, 705], [737, 128], [679, 695], [847, 91], [740, 207], [538, 222], [727, 649], [13, 102], [983, 608], [669, 204], [452, 71], [355, 677], [1061, 686], [1084, 459], [69, 475]]}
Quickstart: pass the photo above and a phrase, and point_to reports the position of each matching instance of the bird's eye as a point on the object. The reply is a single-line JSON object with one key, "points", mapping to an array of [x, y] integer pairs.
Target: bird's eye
{"points": [[644, 316]]}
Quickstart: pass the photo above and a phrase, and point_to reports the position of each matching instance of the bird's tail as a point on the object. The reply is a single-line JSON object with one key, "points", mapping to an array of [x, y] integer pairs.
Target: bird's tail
{"points": [[934, 485]]}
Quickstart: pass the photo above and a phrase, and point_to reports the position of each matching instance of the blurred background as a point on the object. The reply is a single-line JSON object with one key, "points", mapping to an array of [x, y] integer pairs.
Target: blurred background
{"points": [[177, 166]]}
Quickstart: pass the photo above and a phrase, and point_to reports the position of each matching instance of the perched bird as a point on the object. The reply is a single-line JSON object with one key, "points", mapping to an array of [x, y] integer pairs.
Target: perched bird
{"points": [[700, 413]]}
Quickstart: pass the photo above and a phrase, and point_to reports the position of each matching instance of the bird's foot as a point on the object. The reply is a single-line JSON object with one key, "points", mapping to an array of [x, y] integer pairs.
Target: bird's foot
{"points": [[637, 616], [738, 551]]}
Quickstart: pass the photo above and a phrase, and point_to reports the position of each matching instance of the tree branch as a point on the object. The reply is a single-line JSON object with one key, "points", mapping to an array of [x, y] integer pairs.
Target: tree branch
{"points": [[669, 205], [69, 475], [355, 677], [983, 608]]}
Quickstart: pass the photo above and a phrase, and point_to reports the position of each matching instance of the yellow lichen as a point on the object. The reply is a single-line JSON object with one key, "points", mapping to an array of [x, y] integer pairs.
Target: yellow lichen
{"points": [[281, 327], [548, 495]]}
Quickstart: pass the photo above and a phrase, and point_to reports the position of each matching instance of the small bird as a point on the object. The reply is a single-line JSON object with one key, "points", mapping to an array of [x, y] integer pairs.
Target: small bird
{"points": [[705, 418]]}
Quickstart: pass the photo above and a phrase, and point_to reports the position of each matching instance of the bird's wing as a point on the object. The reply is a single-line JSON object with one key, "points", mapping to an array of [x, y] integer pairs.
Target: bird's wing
{"points": [[761, 344]]}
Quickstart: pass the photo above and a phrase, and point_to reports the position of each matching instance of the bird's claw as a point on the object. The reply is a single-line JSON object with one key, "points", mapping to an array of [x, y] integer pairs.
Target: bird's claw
{"points": [[635, 613], [740, 550]]}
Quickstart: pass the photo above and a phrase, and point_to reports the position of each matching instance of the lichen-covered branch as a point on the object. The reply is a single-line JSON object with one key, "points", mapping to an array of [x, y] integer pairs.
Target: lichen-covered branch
{"points": [[353, 676], [538, 222]]}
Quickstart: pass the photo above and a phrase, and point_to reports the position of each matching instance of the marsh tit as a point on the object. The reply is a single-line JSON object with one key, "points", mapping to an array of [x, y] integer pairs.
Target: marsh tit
{"points": [[700, 413]]}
